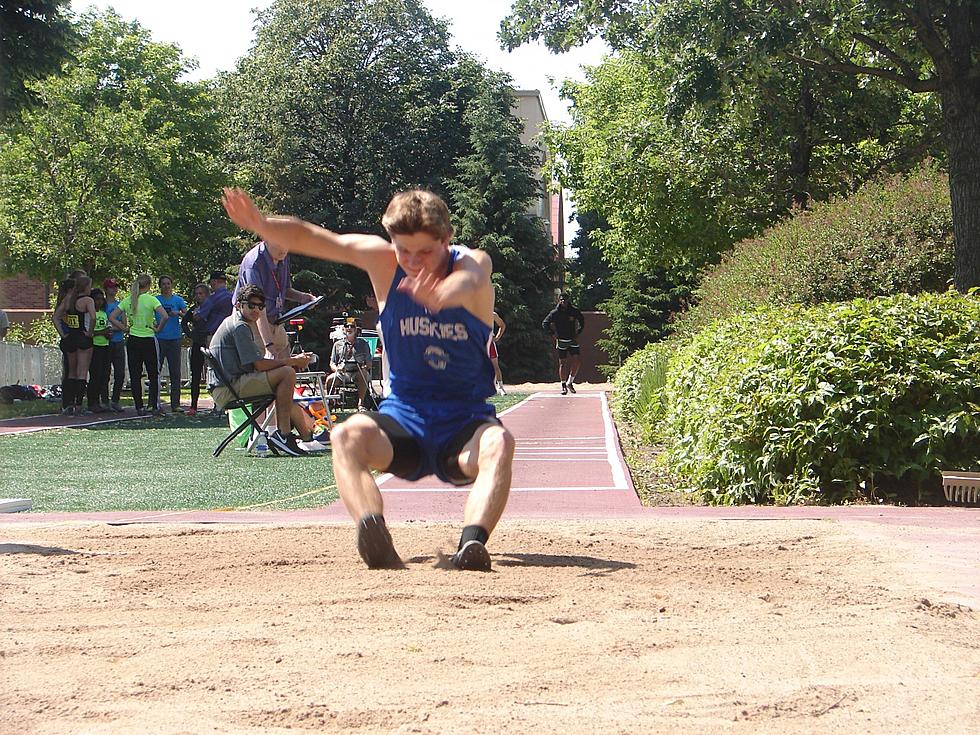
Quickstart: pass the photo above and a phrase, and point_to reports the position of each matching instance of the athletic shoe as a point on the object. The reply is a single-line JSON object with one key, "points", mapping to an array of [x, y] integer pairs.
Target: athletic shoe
{"points": [[312, 446], [473, 557], [192, 412], [285, 444], [116, 407], [571, 386], [564, 389], [177, 409], [142, 411], [68, 411], [500, 389], [375, 546], [99, 409], [160, 412]]}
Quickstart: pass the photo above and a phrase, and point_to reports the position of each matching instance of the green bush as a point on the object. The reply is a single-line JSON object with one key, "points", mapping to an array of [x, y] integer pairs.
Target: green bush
{"points": [[891, 236], [38, 332], [869, 398], [638, 384]]}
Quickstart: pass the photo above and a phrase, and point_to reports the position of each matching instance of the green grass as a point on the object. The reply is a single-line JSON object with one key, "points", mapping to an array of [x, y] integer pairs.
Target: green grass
{"points": [[160, 464]]}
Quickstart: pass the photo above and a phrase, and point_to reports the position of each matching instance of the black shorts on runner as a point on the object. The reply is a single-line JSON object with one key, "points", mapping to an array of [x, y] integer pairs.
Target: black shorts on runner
{"points": [[566, 347]]}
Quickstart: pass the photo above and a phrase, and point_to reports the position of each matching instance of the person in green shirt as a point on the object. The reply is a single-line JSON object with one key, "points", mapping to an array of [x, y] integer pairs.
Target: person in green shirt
{"points": [[135, 315], [98, 372]]}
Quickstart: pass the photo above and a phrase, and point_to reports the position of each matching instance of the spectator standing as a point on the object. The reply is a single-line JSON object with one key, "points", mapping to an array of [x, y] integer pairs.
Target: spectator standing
{"points": [[117, 345], [98, 379], [4, 325], [565, 323], [137, 316], [499, 327], [196, 331], [218, 305], [168, 338], [267, 266], [75, 319]]}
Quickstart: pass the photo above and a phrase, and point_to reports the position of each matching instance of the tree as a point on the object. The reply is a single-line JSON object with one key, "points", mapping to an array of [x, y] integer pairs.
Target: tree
{"points": [[115, 169], [929, 47], [587, 275], [338, 105], [492, 192], [642, 307], [35, 37]]}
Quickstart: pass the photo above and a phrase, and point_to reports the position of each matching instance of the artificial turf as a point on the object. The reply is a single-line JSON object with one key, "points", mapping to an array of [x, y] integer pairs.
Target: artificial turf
{"points": [[160, 464]]}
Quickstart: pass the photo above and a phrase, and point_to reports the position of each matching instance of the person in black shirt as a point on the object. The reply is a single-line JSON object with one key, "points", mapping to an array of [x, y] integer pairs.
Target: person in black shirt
{"points": [[565, 323], [196, 330]]}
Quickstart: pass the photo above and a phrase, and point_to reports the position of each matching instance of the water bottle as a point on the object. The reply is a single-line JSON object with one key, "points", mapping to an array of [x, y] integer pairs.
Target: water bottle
{"points": [[262, 446]]}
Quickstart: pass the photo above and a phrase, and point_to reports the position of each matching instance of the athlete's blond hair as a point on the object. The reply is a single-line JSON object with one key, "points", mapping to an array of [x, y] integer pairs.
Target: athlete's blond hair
{"points": [[417, 210]]}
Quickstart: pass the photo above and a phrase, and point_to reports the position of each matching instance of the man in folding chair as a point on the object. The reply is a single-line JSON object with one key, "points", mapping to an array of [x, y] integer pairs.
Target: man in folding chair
{"points": [[251, 375]]}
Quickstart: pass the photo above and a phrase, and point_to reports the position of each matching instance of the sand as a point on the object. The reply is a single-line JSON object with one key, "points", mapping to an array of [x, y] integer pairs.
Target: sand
{"points": [[684, 626]]}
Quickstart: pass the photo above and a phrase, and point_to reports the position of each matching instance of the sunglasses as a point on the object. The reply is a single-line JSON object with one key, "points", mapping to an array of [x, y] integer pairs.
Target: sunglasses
{"points": [[253, 305], [349, 329]]}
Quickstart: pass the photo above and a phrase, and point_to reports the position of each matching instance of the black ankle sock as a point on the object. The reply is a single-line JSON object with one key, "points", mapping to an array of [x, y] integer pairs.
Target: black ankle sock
{"points": [[473, 533]]}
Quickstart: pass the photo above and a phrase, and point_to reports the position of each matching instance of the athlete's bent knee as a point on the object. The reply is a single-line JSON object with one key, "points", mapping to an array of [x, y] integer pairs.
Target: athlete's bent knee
{"points": [[355, 436], [496, 447]]}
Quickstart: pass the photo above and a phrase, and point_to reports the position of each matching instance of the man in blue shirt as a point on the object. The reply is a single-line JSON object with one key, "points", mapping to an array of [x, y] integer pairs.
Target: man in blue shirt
{"points": [[267, 266], [218, 306], [117, 344], [168, 338]]}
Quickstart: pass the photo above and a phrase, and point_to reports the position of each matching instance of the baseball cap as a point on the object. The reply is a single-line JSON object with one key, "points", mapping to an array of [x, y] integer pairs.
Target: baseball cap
{"points": [[110, 283], [218, 276]]}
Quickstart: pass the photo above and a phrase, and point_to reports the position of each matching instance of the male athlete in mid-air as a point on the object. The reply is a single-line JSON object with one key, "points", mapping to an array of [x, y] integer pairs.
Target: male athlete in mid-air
{"points": [[436, 304]]}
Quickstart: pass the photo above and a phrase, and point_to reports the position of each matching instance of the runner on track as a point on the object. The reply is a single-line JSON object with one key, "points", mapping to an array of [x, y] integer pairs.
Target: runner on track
{"points": [[565, 323]]}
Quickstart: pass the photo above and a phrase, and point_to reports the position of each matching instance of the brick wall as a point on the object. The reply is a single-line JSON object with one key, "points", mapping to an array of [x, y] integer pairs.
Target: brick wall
{"points": [[22, 292]]}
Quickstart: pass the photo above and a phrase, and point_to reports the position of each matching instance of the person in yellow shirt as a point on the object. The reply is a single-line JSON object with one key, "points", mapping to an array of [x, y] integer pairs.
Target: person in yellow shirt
{"points": [[136, 316]]}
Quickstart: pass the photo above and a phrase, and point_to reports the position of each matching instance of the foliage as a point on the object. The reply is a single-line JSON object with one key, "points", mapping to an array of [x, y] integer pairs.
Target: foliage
{"points": [[36, 36], [38, 332], [868, 398], [642, 308], [587, 275], [115, 169], [892, 236], [491, 192], [638, 386], [728, 54], [340, 104]]}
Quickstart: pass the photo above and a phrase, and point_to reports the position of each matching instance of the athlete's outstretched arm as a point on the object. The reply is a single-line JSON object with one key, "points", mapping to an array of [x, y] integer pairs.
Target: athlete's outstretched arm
{"points": [[467, 286], [300, 236]]}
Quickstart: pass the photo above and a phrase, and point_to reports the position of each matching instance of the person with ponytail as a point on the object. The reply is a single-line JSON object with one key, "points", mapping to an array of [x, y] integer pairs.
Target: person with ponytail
{"points": [[74, 319], [136, 316]]}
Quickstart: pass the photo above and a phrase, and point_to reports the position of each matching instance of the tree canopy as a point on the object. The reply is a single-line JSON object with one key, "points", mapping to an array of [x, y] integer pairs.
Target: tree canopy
{"points": [[723, 51], [115, 169], [35, 38]]}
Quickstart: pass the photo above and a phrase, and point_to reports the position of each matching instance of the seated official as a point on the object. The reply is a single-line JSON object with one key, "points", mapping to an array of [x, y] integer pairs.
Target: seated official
{"points": [[351, 347], [234, 348]]}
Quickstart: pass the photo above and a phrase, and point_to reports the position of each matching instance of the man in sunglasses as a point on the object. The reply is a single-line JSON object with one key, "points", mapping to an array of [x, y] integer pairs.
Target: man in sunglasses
{"points": [[345, 351], [436, 312], [236, 351]]}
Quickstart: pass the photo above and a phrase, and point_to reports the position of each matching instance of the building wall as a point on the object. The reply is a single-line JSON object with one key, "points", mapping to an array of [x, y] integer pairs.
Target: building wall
{"points": [[24, 299]]}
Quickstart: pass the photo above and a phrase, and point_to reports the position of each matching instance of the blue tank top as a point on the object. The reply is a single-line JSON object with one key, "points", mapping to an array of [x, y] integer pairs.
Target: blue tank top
{"points": [[435, 357]]}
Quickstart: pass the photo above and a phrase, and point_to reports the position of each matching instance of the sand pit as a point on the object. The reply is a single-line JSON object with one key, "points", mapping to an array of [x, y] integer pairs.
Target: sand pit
{"points": [[629, 626]]}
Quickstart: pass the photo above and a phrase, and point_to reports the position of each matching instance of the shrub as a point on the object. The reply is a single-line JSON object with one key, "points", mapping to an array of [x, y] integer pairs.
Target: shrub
{"points": [[891, 236], [827, 403], [638, 384]]}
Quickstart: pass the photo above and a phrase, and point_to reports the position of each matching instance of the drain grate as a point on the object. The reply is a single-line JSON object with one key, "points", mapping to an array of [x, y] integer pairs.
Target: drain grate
{"points": [[962, 487]]}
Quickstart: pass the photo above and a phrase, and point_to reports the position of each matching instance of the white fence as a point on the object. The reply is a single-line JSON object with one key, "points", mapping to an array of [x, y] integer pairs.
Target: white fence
{"points": [[31, 365]]}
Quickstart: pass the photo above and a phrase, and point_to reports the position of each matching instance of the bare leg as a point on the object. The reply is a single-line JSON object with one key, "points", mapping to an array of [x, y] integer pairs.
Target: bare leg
{"points": [[488, 457], [574, 362], [283, 381], [301, 422], [359, 446]]}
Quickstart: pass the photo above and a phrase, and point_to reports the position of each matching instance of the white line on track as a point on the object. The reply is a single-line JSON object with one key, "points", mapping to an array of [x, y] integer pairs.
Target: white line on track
{"points": [[615, 464]]}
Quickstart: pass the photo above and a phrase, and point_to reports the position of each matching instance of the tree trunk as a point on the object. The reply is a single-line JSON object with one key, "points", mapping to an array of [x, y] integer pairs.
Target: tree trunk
{"points": [[961, 112]]}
